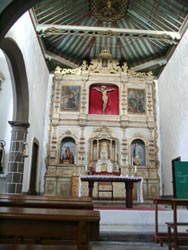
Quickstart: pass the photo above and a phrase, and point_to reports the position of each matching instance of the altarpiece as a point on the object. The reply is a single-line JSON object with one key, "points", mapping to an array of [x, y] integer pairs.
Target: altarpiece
{"points": [[102, 118]]}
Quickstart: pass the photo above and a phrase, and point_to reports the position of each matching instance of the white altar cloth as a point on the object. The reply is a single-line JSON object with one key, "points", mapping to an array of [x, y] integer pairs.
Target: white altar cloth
{"points": [[112, 178]]}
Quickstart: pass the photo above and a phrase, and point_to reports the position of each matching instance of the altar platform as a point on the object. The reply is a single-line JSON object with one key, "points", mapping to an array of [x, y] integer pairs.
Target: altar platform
{"points": [[122, 228], [137, 223]]}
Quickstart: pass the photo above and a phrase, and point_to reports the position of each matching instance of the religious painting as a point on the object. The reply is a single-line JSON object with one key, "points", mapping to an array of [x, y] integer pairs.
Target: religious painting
{"points": [[138, 157], [67, 151], [70, 98], [104, 99], [136, 101]]}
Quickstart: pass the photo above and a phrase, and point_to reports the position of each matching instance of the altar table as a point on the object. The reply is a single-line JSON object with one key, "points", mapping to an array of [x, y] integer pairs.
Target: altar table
{"points": [[128, 180]]}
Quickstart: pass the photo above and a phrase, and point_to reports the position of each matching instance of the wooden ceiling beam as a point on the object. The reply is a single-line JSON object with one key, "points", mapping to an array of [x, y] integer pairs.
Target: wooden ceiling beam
{"points": [[150, 64], [166, 36]]}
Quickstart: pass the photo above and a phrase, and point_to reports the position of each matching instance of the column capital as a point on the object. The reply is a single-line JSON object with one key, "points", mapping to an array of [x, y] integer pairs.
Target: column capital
{"points": [[23, 124]]}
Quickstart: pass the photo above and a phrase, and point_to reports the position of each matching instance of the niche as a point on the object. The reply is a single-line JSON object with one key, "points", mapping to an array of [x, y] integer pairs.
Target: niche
{"points": [[67, 151], [138, 156]]}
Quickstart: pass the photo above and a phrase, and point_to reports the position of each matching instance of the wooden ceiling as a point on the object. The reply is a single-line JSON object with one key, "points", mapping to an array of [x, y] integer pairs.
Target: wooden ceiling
{"points": [[145, 35]]}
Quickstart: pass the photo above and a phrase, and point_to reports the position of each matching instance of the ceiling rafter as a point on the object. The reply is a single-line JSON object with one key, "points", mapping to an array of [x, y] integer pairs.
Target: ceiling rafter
{"points": [[145, 37], [160, 18], [51, 56], [149, 64], [166, 36]]}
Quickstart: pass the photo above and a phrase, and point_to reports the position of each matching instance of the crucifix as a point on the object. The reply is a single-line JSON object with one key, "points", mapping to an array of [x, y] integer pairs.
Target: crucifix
{"points": [[104, 90]]}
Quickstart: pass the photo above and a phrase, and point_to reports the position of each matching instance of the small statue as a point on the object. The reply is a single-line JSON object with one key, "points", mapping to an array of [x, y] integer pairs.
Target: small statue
{"points": [[137, 155], [2, 155], [68, 156]]}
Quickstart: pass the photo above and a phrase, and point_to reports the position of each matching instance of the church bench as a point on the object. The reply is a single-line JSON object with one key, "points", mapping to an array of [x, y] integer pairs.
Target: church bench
{"points": [[178, 239], [171, 235], [53, 202], [72, 204], [160, 236], [49, 226], [44, 197], [36, 247]]}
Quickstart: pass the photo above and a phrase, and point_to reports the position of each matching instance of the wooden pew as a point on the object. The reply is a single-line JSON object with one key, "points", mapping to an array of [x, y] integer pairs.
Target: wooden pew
{"points": [[44, 197], [46, 203], [36, 247], [57, 226], [177, 240], [171, 235], [53, 202], [160, 236]]}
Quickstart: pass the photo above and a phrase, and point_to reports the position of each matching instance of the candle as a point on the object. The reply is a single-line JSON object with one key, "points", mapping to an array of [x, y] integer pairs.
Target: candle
{"points": [[135, 169]]}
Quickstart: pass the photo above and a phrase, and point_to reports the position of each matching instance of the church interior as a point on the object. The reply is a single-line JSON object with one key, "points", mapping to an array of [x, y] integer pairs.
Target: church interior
{"points": [[93, 98]]}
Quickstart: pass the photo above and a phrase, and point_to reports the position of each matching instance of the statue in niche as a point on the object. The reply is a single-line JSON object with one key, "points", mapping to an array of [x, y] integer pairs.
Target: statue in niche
{"points": [[104, 90], [104, 164], [68, 156], [138, 153], [67, 151], [104, 151]]}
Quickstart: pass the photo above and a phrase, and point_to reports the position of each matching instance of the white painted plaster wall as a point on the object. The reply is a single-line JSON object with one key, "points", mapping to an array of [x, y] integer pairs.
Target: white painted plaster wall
{"points": [[38, 79], [6, 110], [173, 104]]}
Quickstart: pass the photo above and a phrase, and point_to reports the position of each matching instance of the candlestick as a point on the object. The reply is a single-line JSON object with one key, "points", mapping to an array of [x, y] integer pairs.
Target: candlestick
{"points": [[135, 169]]}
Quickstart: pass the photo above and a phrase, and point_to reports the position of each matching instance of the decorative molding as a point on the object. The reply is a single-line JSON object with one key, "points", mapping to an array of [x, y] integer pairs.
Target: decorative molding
{"points": [[103, 64]]}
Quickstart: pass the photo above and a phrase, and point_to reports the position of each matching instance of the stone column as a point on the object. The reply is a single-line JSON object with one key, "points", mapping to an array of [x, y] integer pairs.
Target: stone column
{"points": [[16, 160]]}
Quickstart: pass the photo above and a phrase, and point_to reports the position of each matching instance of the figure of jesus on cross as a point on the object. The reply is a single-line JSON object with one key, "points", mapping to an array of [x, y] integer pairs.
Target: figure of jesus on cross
{"points": [[104, 91]]}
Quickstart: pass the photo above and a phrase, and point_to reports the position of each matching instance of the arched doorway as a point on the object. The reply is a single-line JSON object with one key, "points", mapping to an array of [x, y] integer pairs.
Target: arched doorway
{"points": [[19, 121]]}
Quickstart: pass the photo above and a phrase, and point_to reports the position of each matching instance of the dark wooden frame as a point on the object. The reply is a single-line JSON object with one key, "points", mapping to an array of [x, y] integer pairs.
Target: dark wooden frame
{"points": [[173, 175], [177, 240]]}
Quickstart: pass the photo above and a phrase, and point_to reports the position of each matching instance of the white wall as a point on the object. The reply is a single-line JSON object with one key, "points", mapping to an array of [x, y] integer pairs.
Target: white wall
{"points": [[173, 103], [38, 79], [6, 110]]}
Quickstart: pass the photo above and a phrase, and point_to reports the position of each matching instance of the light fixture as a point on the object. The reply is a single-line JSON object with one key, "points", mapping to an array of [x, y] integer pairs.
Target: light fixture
{"points": [[24, 150], [2, 78], [109, 10], [2, 155]]}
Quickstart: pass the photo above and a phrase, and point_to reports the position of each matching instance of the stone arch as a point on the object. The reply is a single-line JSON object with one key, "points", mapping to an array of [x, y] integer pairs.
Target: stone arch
{"points": [[20, 116], [20, 82], [12, 12]]}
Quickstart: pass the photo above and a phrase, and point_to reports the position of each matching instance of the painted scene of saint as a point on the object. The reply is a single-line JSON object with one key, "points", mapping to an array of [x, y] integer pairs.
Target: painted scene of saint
{"points": [[70, 98], [136, 101]]}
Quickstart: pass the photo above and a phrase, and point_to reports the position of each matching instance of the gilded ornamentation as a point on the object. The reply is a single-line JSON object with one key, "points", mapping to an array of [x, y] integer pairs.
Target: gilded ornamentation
{"points": [[76, 71], [104, 64], [103, 132], [135, 74], [108, 10]]}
